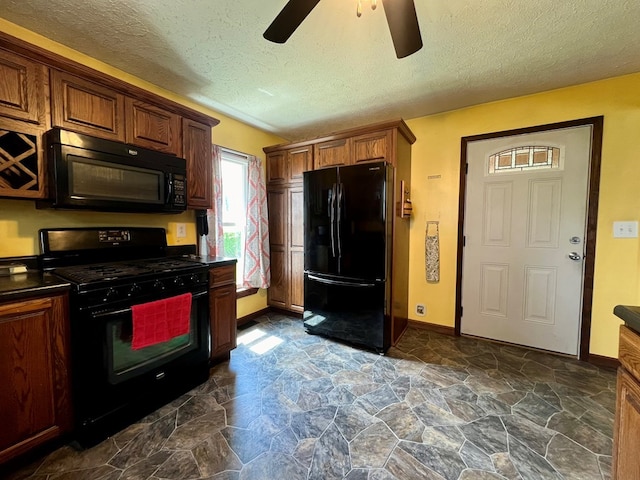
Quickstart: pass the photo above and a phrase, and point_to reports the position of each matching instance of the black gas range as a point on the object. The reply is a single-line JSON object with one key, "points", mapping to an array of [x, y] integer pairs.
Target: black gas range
{"points": [[113, 270]]}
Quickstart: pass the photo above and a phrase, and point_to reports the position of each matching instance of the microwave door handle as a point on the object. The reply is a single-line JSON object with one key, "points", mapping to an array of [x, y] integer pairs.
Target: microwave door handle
{"points": [[169, 187]]}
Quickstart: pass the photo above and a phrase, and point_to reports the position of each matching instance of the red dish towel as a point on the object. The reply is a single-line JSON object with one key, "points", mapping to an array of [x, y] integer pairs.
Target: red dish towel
{"points": [[160, 321]]}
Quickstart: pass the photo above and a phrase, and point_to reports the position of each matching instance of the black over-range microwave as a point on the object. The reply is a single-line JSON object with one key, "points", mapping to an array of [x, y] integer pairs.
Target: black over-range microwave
{"points": [[92, 173]]}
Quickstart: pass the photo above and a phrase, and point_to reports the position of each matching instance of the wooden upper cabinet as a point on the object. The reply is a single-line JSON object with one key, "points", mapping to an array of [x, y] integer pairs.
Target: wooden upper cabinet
{"points": [[22, 166], [284, 166], [373, 147], [22, 88], [86, 107], [196, 148], [332, 153], [152, 127], [299, 161], [277, 167]]}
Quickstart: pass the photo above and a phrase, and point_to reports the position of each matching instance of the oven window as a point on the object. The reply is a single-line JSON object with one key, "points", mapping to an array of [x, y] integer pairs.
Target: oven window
{"points": [[89, 178], [125, 363]]}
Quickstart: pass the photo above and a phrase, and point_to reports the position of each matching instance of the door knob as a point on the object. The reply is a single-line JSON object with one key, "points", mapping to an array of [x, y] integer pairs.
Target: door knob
{"points": [[575, 256]]}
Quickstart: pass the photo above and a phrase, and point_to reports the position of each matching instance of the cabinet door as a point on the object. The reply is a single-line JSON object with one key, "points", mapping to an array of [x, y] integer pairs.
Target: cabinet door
{"points": [[626, 462], [22, 171], [277, 292], [332, 153], [34, 397], [299, 160], [22, 88], [296, 282], [295, 272], [277, 167], [277, 207], [278, 228], [372, 147], [222, 301], [152, 127], [196, 149], [86, 107]]}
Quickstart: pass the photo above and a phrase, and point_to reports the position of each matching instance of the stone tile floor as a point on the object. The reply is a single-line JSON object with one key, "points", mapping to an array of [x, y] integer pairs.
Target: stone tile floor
{"points": [[295, 406]]}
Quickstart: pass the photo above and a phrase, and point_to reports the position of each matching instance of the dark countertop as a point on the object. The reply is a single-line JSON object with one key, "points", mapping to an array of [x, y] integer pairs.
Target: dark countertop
{"points": [[30, 284], [215, 261], [630, 315]]}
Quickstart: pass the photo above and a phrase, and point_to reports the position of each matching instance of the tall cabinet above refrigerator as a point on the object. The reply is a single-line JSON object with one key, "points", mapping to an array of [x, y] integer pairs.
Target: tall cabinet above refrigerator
{"points": [[348, 252]]}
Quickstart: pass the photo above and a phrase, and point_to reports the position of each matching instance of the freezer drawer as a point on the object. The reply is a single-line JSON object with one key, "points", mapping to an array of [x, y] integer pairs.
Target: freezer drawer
{"points": [[352, 311]]}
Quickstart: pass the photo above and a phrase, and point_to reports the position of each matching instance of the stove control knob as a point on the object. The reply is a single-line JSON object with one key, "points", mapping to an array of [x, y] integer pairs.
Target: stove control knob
{"points": [[111, 294], [134, 290], [178, 282], [158, 285], [194, 278]]}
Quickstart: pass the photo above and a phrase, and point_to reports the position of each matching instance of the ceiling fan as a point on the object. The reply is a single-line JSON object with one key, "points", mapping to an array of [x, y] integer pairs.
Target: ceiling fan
{"points": [[401, 17]]}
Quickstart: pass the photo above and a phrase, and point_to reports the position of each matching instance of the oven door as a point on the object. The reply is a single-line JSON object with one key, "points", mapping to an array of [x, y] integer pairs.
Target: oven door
{"points": [[123, 363], [114, 384]]}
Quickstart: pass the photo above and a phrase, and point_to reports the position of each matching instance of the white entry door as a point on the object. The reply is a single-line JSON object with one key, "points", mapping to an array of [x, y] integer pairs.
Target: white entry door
{"points": [[524, 228]]}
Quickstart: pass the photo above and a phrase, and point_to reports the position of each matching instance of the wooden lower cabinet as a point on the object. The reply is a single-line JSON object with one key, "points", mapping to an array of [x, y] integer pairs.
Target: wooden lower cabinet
{"points": [[222, 311], [626, 435], [34, 364]]}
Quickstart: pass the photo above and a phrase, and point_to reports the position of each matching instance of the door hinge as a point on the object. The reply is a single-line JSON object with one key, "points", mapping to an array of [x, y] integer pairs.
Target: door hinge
{"points": [[466, 168], [464, 241], [461, 308]]}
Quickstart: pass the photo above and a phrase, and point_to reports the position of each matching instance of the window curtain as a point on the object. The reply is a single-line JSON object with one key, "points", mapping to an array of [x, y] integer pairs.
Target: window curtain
{"points": [[257, 269], [215, 244]]}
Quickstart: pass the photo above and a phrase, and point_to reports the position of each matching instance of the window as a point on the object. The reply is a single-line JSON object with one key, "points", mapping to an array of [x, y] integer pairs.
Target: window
{"points": [[524, 158], [235, 177]]}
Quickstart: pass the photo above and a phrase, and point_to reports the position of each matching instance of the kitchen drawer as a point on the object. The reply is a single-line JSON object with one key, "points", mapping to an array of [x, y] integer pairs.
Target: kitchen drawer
{"points": [[629, 350], [222, 275]]}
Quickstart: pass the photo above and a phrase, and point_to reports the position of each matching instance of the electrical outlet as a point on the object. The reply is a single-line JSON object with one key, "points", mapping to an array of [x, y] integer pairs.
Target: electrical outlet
{"points": [[625, 229], [420, 310], [181, 230]]}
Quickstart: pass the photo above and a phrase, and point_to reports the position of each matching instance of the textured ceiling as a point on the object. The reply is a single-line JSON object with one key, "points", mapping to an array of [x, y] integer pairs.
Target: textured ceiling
{"points": [[338, 71]]}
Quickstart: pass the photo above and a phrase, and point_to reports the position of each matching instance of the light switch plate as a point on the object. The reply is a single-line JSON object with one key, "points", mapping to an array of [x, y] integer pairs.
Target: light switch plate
{"points": [[625, 229]]}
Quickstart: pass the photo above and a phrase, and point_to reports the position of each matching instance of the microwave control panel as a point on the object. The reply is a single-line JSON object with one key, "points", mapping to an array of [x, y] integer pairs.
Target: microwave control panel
{"points": [[179, 190]]}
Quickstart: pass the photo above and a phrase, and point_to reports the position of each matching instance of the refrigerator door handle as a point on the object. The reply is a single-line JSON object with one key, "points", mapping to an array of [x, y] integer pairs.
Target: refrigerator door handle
{"points": [[340, 196], [338, 282], [332, 217]]}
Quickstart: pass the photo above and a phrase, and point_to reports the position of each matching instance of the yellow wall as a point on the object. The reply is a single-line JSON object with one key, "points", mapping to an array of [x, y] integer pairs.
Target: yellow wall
{"points": [[20, 221], [437, 152]]}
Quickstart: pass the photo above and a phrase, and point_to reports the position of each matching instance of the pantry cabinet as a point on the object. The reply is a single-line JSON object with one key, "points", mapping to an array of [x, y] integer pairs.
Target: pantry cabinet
{"points": [[222, 311], [34, 364]]}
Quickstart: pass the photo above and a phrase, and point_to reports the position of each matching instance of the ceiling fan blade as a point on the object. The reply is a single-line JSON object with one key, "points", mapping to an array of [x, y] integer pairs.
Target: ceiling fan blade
{"points": [[288, 20], [403, 25]]}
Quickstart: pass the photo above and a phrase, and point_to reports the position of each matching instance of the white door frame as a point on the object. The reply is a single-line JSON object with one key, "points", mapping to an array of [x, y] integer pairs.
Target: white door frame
{"points": [[592, 216]]}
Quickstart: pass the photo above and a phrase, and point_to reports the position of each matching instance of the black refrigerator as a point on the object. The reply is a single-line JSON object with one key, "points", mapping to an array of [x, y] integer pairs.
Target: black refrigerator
{"points": [[347, 253]]}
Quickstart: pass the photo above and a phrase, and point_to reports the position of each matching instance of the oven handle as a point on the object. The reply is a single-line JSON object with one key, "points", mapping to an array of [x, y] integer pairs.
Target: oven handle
{"points": [[128, 310]]}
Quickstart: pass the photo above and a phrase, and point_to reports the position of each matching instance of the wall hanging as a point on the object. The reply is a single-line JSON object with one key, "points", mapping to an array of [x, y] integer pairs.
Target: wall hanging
{"points": [[432, 252]]}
